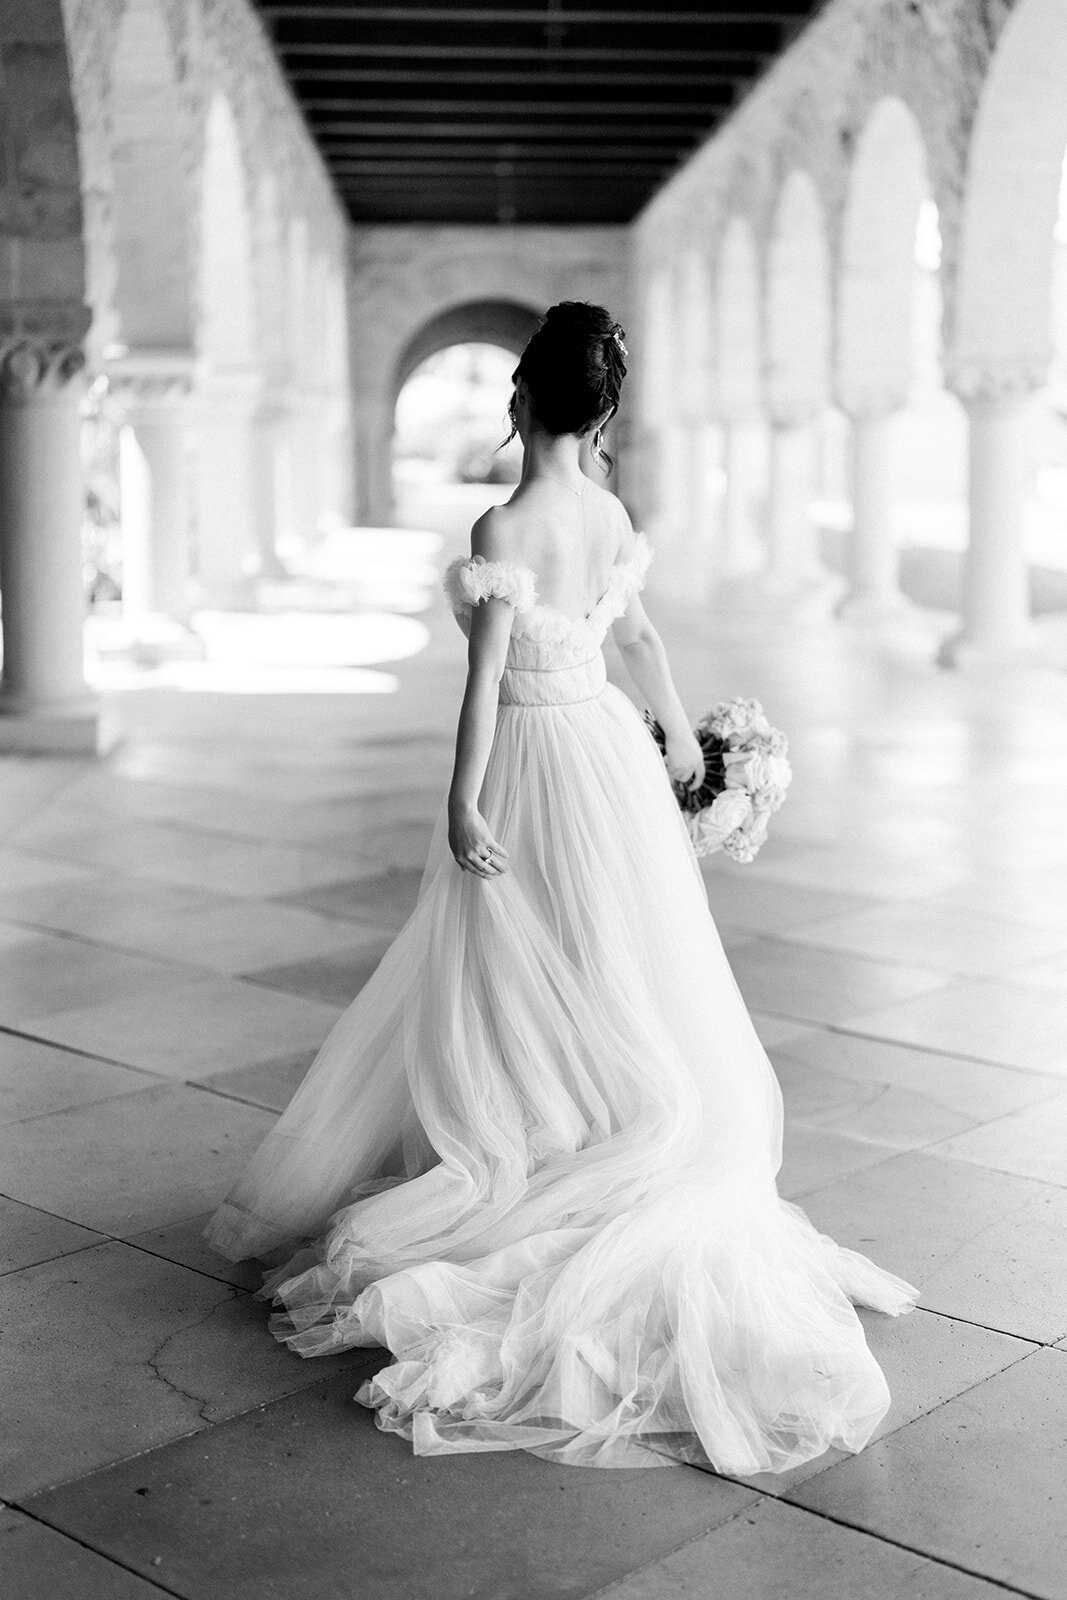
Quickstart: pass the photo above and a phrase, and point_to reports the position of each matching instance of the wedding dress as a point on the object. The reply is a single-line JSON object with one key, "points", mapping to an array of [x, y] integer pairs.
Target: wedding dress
{"points": [[538, 1151]]}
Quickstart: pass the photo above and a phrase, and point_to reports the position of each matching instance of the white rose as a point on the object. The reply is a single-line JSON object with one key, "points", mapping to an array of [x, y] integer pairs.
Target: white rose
{"points": [[745, 769], [730, 810]]}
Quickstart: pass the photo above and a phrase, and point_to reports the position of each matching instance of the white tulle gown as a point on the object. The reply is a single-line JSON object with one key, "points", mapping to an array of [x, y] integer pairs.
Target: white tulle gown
{"points": [[538, 1152]]}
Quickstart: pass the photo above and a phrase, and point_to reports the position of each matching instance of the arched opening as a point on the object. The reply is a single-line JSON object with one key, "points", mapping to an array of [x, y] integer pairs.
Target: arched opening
{"points": [[806, 439], [139, 524], [1003, 345], [451, 386], [905, 488], [739, 380], [229, 479]]}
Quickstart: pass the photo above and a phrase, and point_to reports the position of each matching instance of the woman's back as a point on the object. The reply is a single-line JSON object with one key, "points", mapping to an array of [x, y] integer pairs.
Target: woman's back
{"points": [[569, 540]]}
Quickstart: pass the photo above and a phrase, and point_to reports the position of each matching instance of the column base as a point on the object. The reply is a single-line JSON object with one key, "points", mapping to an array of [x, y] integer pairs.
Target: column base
{"points": [[230, 594], [811, 599], [875, 608], [1027, 649], [151, 640], [89, 729]]}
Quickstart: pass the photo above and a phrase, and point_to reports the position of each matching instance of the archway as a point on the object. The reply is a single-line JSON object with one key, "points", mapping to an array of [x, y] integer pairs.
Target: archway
{"points": [[451, 386], [1002, 342], [906, 437], [739, 381], [229, 482], [449, 392], [149, 364], [798, 347]]}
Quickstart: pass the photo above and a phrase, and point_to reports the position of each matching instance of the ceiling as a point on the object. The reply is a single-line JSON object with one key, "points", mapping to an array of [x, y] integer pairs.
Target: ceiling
{"points": [[567, 111]]}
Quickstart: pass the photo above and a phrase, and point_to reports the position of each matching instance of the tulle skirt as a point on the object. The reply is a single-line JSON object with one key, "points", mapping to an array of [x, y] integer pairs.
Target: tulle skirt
{"points": [[535, 1158]]}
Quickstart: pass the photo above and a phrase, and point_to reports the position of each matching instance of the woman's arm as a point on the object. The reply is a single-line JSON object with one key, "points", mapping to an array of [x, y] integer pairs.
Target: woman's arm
{"points": [[469, 836], [646, 662]]}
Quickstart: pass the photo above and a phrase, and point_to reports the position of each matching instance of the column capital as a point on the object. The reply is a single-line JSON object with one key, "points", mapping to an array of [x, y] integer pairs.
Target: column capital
{"points": [[869, 403], [41, 346], [151, 377], [975, 380]]}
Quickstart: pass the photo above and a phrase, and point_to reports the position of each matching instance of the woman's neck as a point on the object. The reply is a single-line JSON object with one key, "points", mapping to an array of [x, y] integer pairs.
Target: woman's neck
{"points": [[556, 457]]}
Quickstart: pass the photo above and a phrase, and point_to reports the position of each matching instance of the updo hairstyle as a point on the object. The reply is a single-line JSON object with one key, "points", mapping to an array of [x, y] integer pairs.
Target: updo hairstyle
{"points": [[573, 367]]}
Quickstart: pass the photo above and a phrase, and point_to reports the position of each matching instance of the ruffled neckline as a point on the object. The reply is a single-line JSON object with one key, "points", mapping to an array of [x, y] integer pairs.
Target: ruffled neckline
{"points": [[469, 579]]}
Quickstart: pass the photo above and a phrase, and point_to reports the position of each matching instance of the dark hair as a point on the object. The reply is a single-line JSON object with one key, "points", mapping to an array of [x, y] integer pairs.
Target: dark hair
{"points": [[573, 367]]}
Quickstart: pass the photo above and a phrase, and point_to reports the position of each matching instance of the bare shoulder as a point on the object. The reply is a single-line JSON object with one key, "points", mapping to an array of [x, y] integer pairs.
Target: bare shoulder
{"points": [[494, 535]]}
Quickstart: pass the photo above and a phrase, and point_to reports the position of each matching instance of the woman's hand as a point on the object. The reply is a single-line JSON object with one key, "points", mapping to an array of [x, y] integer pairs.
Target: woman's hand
{"points": [[472, 844], [685, 759]]}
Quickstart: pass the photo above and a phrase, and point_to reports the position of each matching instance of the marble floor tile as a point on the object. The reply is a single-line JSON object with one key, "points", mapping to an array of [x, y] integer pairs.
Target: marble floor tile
{"points": [[1031, 897], [185, 1245], [820, 986], [140, 1161], [36, 1079], [874, 875], [37, 1563], [255, 870], [270, 1083], [113, 1351], [357, 1501], [335, 980], [190, 1026], [775, 1551], [767, 905], [1050, 974], [985, 1246], [1031, 1143], [815, 1156], [385, 900], [775, 1032], [21, 870], [976, 1090], [110, 909], [875, 1112], [981, 1482], [992, 1021], [28, 1236], [50, 974], [951, 941]]}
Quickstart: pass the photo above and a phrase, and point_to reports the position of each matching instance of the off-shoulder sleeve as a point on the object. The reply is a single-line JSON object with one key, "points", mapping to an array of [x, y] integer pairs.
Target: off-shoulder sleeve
{"points": [[469, 579]]}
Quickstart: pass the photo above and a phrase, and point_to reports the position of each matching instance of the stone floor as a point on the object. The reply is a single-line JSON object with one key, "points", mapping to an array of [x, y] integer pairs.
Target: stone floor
{"points": [[180, 925]]}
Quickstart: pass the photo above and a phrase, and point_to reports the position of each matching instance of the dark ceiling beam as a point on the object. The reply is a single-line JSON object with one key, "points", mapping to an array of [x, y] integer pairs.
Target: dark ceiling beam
{"points": [[743, 60], [447, 107], [433, 150], [537, 17], [502, 130], [497, 78]]}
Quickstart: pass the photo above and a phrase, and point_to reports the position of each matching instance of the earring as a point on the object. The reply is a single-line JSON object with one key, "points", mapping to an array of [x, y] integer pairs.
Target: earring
{"points": [[598, 447]]}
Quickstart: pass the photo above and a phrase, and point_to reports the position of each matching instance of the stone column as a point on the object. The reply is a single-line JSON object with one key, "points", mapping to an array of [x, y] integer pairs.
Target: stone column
{"points": [[274, 485], [45, 703], [740, 550], [873, 594], [996, 627], [155, 503], [795, 580], [228, 461]]}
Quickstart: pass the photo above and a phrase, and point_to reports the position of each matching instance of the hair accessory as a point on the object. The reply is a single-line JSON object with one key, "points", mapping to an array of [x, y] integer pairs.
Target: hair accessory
{"points": [[616, 334]]}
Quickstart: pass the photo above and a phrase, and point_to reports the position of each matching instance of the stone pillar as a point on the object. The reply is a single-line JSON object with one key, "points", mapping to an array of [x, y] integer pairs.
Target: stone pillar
{"points": [[873, 561], [155, 501], [45, 703], [228, 461], [740, 550], [274, 486], [795, 580], [996, 627]]}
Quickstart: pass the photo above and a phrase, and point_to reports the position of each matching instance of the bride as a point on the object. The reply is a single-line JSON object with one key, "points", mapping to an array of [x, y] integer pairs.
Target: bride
{"points": [[535, 1158]]}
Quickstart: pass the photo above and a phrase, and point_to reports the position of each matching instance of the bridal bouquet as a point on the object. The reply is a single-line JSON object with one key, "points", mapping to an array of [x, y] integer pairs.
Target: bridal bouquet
{"points": [[746, 775]]}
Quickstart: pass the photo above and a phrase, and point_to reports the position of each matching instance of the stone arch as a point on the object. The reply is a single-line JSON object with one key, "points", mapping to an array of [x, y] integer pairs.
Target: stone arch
{"points": [[738, 332], [1003, 319], [507, 323], [693, 351], [887, 185], [227, 320], [798, 317], [151, 191]]}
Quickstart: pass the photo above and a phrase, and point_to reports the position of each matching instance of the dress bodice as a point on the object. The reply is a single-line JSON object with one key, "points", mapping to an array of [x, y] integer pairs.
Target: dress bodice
{"points": [[552, 659]]}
